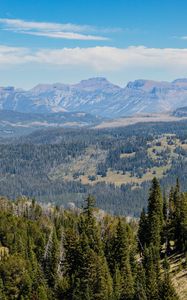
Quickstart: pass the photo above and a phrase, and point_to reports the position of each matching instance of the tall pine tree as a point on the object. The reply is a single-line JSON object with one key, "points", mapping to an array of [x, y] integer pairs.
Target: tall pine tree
{"points": [[155, 214]]}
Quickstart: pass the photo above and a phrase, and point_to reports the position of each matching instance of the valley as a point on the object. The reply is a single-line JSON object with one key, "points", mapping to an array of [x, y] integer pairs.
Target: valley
{"points": [[93, 150], [62, 165], [14, 124]]}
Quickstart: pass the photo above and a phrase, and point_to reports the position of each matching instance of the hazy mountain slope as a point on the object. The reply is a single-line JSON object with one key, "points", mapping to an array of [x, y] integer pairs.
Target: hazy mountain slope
{"points": [[14, 123], [98, 96], [180, 112]]}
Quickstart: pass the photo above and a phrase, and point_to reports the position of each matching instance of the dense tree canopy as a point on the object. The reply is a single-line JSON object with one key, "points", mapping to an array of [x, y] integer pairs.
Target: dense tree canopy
{"points": [[49, 253]]}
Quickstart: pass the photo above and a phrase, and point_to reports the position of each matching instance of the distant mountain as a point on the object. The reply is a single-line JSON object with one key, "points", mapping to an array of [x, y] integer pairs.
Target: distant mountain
{"points": [[180, 112], [99, 97]]}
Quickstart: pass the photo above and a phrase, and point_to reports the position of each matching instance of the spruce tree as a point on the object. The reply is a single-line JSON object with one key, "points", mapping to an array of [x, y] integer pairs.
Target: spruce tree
{"points": [[165, 207], [91, 275], [177, 214], [117, 284], [52, 259], [182, 230], [89, 205], [143, 231], [140, 283], [152, 285], [171, 203], [123, 262], [155, 214]]}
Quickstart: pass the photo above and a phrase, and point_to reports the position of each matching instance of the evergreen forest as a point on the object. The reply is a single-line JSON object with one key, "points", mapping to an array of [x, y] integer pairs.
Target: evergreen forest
{"points": [[51, 253]]}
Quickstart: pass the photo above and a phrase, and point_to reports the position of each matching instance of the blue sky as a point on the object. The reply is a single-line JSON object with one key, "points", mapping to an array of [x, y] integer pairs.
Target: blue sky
{"points": [[69, 40]]}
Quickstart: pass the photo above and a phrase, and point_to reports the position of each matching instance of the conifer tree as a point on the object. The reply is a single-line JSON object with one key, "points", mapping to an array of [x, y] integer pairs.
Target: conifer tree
{"points": [[88, 225], [155, 214], [103, 287], [143, 231], [140, 283], [123, 263], [171, 203], [91, 276], [165, 207], [177, 214], [51, 262], [117, 284], [90, 204], [182, 225], [152, 285]]}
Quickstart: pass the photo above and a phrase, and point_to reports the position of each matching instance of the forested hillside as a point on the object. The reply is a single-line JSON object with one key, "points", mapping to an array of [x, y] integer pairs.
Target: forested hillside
{"points": [[115, 165], [47, 252]]}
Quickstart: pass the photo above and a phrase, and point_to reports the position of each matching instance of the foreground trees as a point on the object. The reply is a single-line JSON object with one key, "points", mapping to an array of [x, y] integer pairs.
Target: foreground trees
{"points": [[48, 253]]}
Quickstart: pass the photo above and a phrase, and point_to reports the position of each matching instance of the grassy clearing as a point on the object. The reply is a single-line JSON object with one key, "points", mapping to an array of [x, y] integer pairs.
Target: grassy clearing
{"points": [[126, 155], [163, 144], [147, 118], [118, 178], [85, 166]]}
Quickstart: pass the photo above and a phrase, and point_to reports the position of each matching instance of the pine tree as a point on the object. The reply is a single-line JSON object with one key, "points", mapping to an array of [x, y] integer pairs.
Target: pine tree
{"points": [[169, 226], [155, 214], [88, 225], [103, 287], [177, 215], [123, 261], [182, 225], [91, 277], [140, 284], [71, 247], [52, 259], [171, 203], [143, 231], [117, 284], [152, 285], [165, 207], [90, 204]]}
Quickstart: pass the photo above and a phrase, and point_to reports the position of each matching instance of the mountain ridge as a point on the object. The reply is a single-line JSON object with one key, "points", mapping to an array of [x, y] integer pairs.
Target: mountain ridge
{"points": [[98, 96]]}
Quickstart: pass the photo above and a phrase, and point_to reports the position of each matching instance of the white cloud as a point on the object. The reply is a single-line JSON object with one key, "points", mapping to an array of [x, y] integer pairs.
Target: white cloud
{"points": [[99, 58], [55, 30], [14, 55], [26, 25], [66, 35]]}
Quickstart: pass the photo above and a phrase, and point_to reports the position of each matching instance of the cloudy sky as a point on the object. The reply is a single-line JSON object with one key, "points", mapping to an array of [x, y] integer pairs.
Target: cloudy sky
{"points": [[69, 40]]}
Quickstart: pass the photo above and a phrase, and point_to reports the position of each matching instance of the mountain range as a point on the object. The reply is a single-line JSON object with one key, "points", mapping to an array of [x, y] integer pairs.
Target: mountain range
{"points": [[98, 96], [180, 112]]}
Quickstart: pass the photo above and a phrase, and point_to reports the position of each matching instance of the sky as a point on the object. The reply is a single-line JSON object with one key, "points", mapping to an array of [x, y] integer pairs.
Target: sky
{"points": [[49, 41]]}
